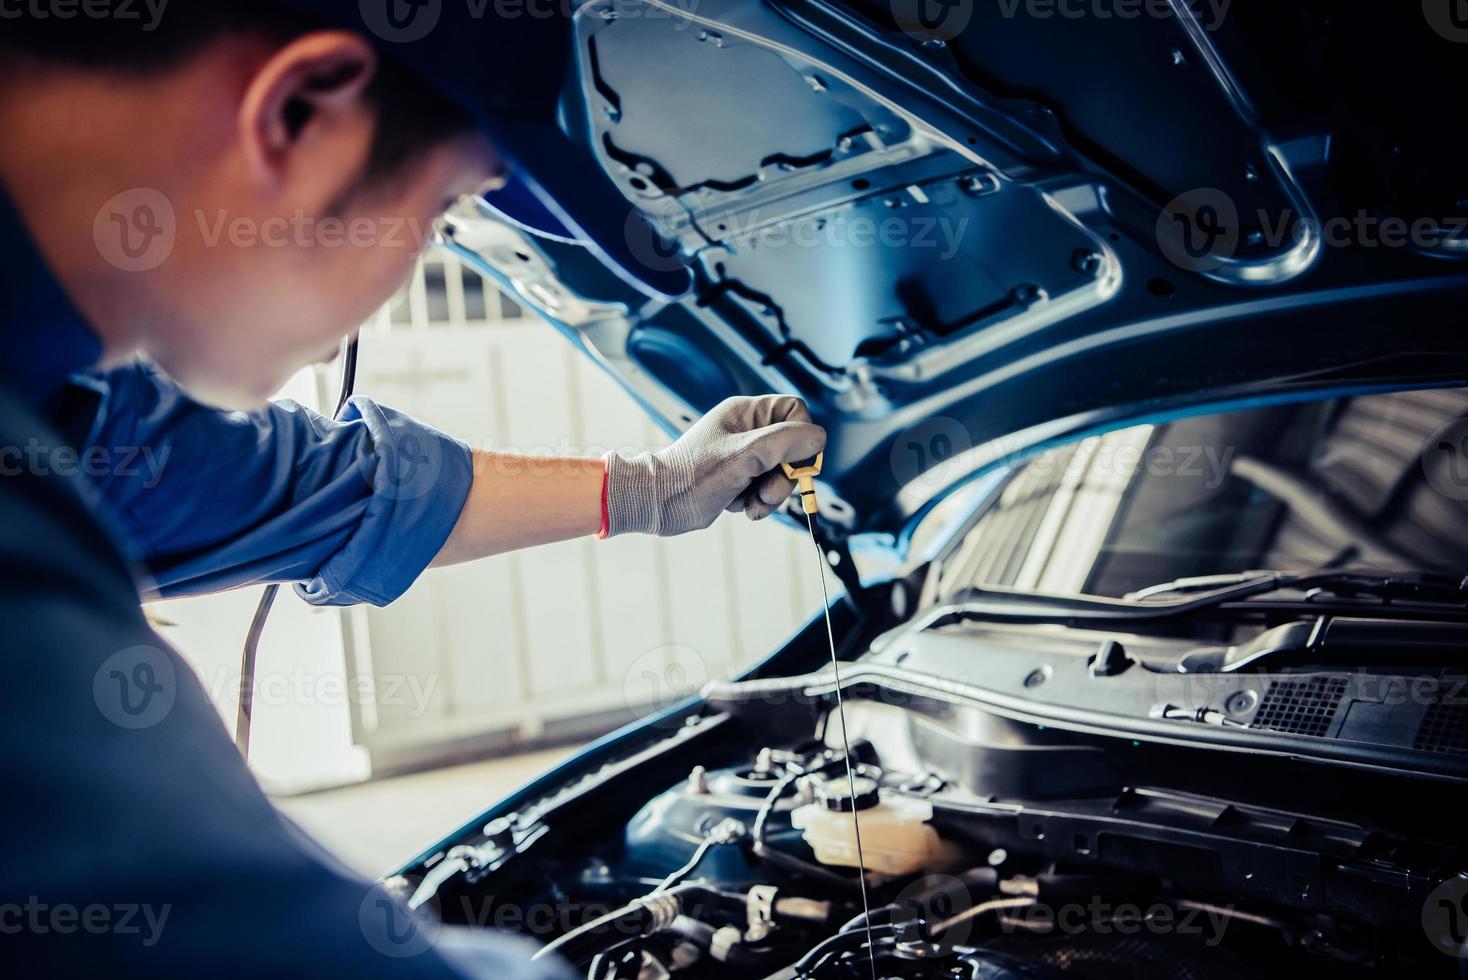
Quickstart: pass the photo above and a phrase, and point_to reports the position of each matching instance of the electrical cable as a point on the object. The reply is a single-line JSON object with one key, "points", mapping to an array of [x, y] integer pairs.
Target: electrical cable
{"points": [[640, 917], [838, 945], [983, 908], [725, 832], [790, 862], [244, 715]]}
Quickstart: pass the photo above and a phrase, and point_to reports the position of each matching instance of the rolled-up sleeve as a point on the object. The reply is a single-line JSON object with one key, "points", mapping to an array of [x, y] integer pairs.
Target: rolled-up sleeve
{"points": [[351, 509]]}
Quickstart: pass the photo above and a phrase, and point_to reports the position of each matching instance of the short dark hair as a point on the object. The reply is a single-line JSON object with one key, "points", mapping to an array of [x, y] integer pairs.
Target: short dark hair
{"points": [[411, 116]]}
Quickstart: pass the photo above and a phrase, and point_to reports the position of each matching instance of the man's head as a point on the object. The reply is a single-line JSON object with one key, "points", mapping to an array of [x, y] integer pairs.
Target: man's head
{"points": [[230, 192]]}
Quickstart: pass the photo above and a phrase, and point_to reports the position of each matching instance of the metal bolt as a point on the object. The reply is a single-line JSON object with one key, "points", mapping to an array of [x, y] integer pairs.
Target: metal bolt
{"points": [[698, 782], [1086, 261], [1027, 293], [1241, 702], [978, 184]]}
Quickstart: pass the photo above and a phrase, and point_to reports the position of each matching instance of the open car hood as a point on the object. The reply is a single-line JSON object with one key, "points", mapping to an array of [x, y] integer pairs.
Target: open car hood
{"points": [[964, 230]]}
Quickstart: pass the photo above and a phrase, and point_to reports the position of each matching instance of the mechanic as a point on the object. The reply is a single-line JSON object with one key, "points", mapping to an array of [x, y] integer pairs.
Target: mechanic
{"points": [[114, 139]]}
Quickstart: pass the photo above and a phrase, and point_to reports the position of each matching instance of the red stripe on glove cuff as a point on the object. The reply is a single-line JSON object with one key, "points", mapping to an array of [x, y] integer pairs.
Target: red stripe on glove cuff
{"points": [[606, 517]]}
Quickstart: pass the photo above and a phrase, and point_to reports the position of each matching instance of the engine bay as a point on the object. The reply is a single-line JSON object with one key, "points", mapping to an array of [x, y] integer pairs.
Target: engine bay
{"points": [[997, 844]]}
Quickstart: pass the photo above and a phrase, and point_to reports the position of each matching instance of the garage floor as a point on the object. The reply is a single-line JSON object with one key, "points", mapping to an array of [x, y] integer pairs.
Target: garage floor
{"points": [[376, 826]]}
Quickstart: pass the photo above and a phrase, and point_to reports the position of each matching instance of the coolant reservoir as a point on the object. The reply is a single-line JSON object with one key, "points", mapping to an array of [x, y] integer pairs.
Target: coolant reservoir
{"points": [[895, 835]]}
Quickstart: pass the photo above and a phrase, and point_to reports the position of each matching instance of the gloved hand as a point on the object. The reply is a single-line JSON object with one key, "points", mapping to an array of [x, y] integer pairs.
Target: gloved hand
{"points": [[730, 460]]}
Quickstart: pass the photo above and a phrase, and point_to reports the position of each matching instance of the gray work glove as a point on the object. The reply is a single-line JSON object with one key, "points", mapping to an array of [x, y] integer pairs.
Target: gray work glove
{"points": [[729, 460]]}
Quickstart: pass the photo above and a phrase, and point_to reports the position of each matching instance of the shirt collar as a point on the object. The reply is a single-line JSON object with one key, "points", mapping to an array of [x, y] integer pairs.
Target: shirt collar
{"points": [[44, 337]]}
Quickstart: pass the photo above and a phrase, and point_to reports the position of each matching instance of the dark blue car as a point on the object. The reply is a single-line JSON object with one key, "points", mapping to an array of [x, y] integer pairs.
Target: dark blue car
{"points": [[1138, 330]]}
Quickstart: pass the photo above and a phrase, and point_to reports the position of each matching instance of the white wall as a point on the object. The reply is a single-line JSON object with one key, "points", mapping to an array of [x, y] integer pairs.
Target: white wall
{"points": [[302, 733], [517, 642]]}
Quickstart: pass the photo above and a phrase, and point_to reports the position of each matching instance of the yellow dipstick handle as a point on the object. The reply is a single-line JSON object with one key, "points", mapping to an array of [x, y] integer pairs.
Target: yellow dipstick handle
{"points": [[804, 477]]}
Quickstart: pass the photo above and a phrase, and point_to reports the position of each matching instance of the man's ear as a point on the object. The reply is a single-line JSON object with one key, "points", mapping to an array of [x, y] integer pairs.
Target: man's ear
{"points": [[303, 92]]}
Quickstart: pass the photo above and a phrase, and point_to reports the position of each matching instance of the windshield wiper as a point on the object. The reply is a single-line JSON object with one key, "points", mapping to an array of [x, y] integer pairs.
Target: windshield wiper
{"points": [[1337, 638], [1409, 586], [1202, 583], [1412, 595]]}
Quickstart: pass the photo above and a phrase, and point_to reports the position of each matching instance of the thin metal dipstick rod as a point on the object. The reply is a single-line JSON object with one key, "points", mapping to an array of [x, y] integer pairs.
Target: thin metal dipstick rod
{"points": [[861, 862]]}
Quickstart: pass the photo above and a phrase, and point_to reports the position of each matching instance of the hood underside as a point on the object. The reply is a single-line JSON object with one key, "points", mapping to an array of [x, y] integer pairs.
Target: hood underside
{"points": [[963, 231]]}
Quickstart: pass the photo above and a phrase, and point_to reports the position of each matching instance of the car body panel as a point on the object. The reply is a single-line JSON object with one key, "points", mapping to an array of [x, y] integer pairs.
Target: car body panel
{"points": [[965, 241]]}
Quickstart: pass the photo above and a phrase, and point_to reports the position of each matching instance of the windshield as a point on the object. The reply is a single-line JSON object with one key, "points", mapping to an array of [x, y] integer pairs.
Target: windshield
{"points": [[1378, 481]]}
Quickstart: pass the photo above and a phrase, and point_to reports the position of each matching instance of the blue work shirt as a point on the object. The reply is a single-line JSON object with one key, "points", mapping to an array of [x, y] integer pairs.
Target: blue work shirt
{"points": [[135, 841], [352, 509]]}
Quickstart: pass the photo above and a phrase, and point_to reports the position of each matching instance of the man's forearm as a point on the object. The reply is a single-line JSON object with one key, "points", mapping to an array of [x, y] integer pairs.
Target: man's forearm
{"points": [[728, 460], [522, 501]]}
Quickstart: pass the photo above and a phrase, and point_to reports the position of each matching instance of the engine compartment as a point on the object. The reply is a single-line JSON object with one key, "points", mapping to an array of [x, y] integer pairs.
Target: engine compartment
{"points": [[1006, 847]]}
